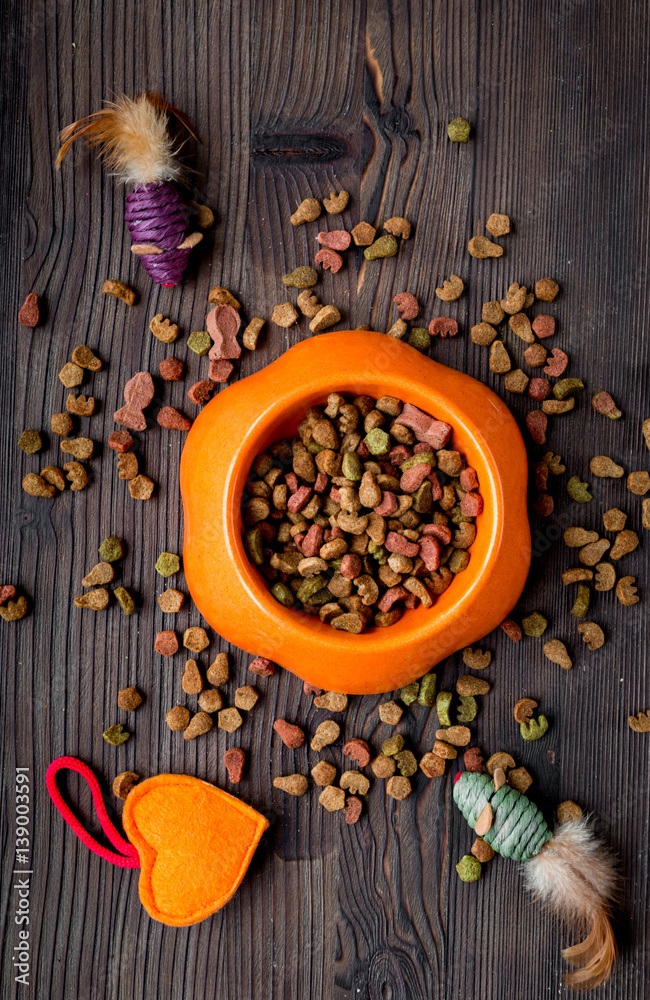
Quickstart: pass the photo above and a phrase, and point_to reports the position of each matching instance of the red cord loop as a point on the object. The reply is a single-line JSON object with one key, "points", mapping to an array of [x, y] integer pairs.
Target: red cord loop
{"points": [[128, 856]]}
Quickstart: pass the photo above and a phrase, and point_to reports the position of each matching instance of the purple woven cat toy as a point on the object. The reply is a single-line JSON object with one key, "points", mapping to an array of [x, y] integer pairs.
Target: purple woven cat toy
{"points": [[135, 143]]}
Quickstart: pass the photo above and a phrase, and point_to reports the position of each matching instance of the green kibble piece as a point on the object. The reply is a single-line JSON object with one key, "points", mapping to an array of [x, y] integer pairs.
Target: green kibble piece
{"points": [[167, 563], [458, 131], [392, 745], [534, 729], [407, 765], [567, 387], [111, 549], [377, 441], [420, 338], [457, 515], [302, 277], [282, 594], [254, 545], [427, 695], [459, 560], [115, 735], [423, 498], [385, 246], [30, 442], [443, 704], [310, 586], [323, 596], [409, 694], [336, 563], [421, 458], [351, 466], [581, 603], [200, 342], [467, 709], [124, 600], [469, 868], [534, 624], [313, 448], [578, 490]]}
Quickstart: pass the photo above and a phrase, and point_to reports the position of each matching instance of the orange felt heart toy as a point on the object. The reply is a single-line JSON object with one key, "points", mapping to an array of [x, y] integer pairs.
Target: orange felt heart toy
{"points": [[192, 841]]}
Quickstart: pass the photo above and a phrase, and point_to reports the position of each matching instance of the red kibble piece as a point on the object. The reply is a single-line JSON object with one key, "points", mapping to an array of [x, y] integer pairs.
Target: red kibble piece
{"points": [[399, 454], [397, 543], [473, 760], [312, 541], [388, 504], [363, 451], [262, 667], [199, 393], [539, 389], [413, 478], [234, 759], [537, 422], [171, 369], [138, 393], [420, 447], [436, 488], [292, 736], [358, 750], [222, 323], [30, 313], [544, 505], [322, 482], [544, 326], [472, 504], [557, 362], [443, 327], [541, 476], [352, 809], [170, 418], [291, 479], [338, 239], [411, 601], [511, 629], [407, 305], [439, 531], [430, 551], [468, 479], [220, 371], [330, 259], [166, 643], [120, 441], [435, 433], [7, 593], [299, 499], [311, 689], [602, 402], [298, 540], [392, 595], [351, 565]]}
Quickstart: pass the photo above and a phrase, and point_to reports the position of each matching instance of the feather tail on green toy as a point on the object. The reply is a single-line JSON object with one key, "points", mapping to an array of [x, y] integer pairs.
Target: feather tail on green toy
{"points": [[569, 870]]}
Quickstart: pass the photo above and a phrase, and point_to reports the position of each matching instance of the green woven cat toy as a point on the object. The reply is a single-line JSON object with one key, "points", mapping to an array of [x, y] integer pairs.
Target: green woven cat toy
{"points": [[569, 869]]}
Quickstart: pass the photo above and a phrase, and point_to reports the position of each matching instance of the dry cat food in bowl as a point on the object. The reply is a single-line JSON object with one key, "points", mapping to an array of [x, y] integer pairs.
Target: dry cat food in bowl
{"points": [[367, 512], [250, 417]]}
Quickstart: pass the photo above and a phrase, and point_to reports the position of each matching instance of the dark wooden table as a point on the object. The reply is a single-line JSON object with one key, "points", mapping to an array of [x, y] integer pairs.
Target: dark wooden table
{"points": [[293, 99]]}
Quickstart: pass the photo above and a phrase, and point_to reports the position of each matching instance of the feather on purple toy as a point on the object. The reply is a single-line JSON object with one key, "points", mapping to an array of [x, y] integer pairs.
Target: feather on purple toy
{"points": [[136, 145]]}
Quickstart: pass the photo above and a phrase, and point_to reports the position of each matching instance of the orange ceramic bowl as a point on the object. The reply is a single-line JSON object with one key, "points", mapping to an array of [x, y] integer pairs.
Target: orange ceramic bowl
{"points": [[247, 417]]}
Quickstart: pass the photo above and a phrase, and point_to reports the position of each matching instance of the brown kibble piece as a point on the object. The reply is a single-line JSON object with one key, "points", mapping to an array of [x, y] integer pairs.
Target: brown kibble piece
{"points": [[594, 552], [458, 736], [54, 476], [398, 226], [520, 780], [432, 764], [516, 381], [292, 736], [86, 358], [307, 211], [96, 600], [535, 356], [284, 314], [332, 701], [14, 610], [218, 672], [308, 304], [124, 782], [491, 312], [483, 334], [452, 288], [358, 750], [129, 699], [332, 798], [639, 723], [218, 296], [80, 405], [336, 203], [445, 750], [576, 575], [383, 766], [235, 760], [293, 784], [499, 759], [199, 724], [178, 718], [481, 850], [500, 362], [473, 760], [638, 483], [398, 787], [626, 591], [229, 719], [524, 709], [363, 234], [252, 333], [481, 247], [577, 537], [326, 733], [195, 639], [171, 369], [127, 466], [200, 392], [626, 541], [568, 812], [556, 652], [498, 225], [71, 375], [30, 313], [76, 475], [324, 318], [592, 634], [192, 682], [546, 289], [355, 782], [390, 712], [82, 448], [61, 424], [520, 325], [246, 698], [614, 519], [605, 576], [171, 419], [211, 700], [171, 601], [323, 773], [476, 659], [101, 572], [469, 685], [119, 290], [605, 467], [141, 487]]}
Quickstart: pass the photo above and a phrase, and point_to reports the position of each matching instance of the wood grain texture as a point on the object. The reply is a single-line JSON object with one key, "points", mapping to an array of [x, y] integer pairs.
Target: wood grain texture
{"points": [[294, 99]]}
